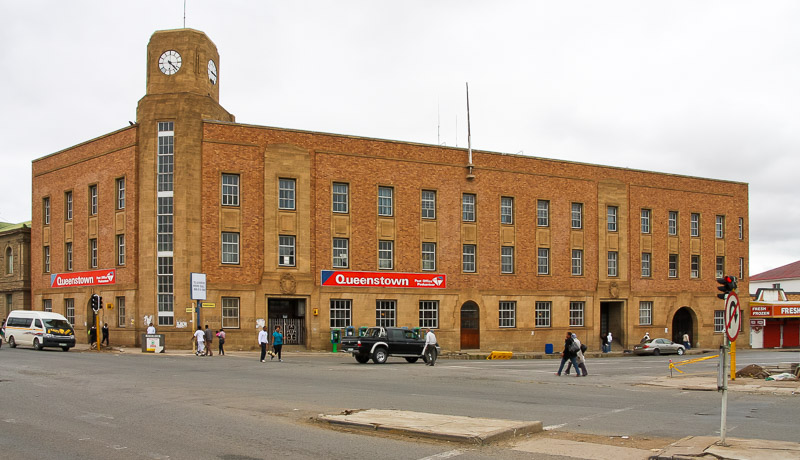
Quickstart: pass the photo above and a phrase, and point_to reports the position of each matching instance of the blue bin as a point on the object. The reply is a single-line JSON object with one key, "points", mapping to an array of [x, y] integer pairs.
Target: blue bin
{"points": [[548, 348]]}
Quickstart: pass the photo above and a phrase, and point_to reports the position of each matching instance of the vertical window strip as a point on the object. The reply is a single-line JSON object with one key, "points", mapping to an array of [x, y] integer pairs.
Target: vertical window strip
{"points": [[645, 221], [695, 266], [230, 190], [611, 218], [47, 305], [121, 249], [645, 313], [340, 252], [543, 261], [341, 197], [68, 206], [672, 223], [429, 256], [719, 321], [612, 263], [719, 226], [468, 207], [286, 251], [506, 210], [165, 292], [720, 267], [385, 201], [543, 213], [93, 200], [428, 204], [286, 194], [694, 228], [121, 193], [468, 258], [230, 248], [507, 259], [46, 210], [646, 265], [577, 262], [577, 215], [164, 223], [46, 253], [69, 310], [385, 255], [673, 265], [68, 256], [93, 253], [230, 312], [120, 311]]}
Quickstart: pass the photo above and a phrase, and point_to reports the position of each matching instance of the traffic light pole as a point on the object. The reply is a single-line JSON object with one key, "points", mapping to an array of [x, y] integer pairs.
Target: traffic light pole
{"points": [[723, 427]]}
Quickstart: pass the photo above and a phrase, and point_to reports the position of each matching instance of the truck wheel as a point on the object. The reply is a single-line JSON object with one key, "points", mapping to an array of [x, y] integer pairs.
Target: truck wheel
{"points": [[412, 360], [11, 342], [36, 344], [65, 348], [380, 355], [362, 358]]}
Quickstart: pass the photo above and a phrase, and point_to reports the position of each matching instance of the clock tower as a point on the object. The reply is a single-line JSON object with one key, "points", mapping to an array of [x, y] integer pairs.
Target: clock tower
{"points": [[182, 91]]}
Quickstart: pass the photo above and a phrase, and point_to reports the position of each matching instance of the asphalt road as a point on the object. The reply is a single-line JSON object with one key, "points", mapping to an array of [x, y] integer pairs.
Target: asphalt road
{"points": [[132, 405]]}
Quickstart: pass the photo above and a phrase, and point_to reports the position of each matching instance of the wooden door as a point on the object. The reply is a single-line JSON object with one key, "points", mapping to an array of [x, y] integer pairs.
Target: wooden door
{"points": [[772, 334], [470, 326], [791, 333]]}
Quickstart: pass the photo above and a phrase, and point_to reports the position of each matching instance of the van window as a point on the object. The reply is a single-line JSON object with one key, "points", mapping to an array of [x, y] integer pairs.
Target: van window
{"points": [[57, 323], [38, 323], [18, 322]]}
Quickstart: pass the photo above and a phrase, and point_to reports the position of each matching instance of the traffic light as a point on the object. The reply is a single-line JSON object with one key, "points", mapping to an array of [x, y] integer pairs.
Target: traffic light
{"points": [[727, 284], [95, 302]]}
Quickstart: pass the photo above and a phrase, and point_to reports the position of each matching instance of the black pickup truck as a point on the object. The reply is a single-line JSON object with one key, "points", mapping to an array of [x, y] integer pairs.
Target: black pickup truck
{"points": [[379, 343]]}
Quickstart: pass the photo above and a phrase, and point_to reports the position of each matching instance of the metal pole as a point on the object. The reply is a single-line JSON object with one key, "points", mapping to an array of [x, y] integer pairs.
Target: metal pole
{"points": [[724, 412]]}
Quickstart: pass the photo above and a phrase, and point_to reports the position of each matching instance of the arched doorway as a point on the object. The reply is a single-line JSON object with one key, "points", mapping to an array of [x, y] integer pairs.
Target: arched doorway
{"points": [[683, 322], [470, 326]]}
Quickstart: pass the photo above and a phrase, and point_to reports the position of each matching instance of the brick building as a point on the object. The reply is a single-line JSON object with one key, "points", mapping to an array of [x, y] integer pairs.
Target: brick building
{"points": [[15, 257], [313, 231]]}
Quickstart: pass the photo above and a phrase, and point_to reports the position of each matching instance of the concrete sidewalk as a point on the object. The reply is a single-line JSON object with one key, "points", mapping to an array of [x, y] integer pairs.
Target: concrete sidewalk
{"points": [[734, 449], [741, 384]]}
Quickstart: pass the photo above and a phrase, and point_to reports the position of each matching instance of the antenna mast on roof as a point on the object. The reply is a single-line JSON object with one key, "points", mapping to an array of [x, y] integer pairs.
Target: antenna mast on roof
{"points": [[184, 14], [470, 175]]}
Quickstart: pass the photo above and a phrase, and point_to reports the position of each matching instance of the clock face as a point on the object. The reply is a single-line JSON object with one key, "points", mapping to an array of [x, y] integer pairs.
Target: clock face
{"points": [[169, 62], [212, 72]]}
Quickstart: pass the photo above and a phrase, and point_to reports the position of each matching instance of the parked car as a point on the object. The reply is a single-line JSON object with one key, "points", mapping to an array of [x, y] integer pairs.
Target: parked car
{"points": [[658, 346], [378, 343], [38, 329]]}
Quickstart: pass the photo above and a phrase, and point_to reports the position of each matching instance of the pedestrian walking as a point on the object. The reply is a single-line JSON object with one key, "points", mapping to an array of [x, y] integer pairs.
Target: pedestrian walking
{"points": [[200, 338], [570, 352], [151, 329], [277, 344], [209, 341], [604, 342], [263, 341], [221, 341], [609, 339], [686, 343], [429, 350], [93, 337], [646, 337], [580, 357], [104, 330]]}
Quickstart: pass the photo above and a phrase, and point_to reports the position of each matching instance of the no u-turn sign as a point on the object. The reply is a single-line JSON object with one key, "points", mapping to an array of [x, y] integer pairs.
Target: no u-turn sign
{"points": [[733, 319]]}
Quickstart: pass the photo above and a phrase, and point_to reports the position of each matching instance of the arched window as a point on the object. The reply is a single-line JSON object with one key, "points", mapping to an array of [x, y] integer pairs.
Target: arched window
{"points": [[9, 261]]}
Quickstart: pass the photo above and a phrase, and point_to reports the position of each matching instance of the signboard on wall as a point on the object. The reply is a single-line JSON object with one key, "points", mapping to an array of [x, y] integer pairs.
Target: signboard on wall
{"points": [[383, 279], [198, 282], [775, 311], [90, 278]]}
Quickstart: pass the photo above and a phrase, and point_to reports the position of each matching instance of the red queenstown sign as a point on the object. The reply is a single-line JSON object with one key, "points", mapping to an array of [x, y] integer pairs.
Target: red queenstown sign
{"points": [[92, 278], [383, 279]]}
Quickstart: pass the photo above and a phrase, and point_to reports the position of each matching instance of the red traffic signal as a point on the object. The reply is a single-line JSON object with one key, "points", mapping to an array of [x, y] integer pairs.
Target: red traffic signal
{"points": [[727, 283]]}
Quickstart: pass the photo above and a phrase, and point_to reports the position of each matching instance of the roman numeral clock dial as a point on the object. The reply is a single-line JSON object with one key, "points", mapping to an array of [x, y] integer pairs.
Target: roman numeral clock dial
{"points": [[169, 62], [212, 72]]}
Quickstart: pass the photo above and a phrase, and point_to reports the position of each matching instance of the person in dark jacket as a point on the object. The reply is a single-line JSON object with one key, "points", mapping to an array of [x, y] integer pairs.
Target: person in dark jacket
{"points": [[104, 330], [570, 354], [209, 340]]}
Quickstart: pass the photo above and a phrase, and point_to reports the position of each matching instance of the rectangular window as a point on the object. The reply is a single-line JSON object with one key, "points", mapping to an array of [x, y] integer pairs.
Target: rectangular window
{"points": [[68, 257], [508, 314], [719, 321], [645, 313], [694, 228], [166, 300], [468, 207], [507, 259], [385, 255], [612, 263], [543, 261], [46, 255], [286, 251], [428, 256], [120, 311], [93, 200], [230, 190], [341, 310], [741, 267], [577, 262], [645, 221], [672, 223], [506, 210], [720, 267], [46, 210], [341, 248], [673, 265], [542, 213], [230, 312], [576, 310], [542, 314], [385, 313], [120, 249], [385, 201], [120, 193], [741, 228], [47, 305], [428, 204], [164, 223], [341, 198], [468, 258], [719, 227], [646, 265], [93, 253], [230, 248], [429, 314], [166, 150], [69, 310], [611, 218], [695, 266], [68, 206], [286, 194], [577, 215]]}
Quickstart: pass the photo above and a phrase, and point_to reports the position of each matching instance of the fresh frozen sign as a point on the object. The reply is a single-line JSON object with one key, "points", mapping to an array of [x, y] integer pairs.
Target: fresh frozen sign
{"points": [[382, 279], [91, 278]]}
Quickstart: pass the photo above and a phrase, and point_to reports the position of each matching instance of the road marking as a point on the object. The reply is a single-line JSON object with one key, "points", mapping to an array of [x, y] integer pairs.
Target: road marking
{"points": [[603, 414], [448, 454], [554, 427]]}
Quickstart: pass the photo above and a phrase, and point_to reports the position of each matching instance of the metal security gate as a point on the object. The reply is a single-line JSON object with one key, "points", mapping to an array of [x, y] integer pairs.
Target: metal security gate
{"points": [[293, 329]]}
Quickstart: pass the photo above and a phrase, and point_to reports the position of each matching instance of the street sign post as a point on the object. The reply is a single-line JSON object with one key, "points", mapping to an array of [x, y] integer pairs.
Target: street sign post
{"points": [[733, 319]]}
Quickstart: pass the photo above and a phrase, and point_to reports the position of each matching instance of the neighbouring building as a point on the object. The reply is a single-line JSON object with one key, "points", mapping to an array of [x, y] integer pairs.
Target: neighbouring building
{"points": [[775, 307], [315, 231], [15, 256]]}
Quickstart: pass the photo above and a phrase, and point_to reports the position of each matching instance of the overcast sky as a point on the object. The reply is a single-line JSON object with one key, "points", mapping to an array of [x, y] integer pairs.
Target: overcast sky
{"points": [[702, 88]]}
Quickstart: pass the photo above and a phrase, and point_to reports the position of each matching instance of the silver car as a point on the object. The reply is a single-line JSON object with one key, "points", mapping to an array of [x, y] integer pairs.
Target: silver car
{"points": [[658, 346]]}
